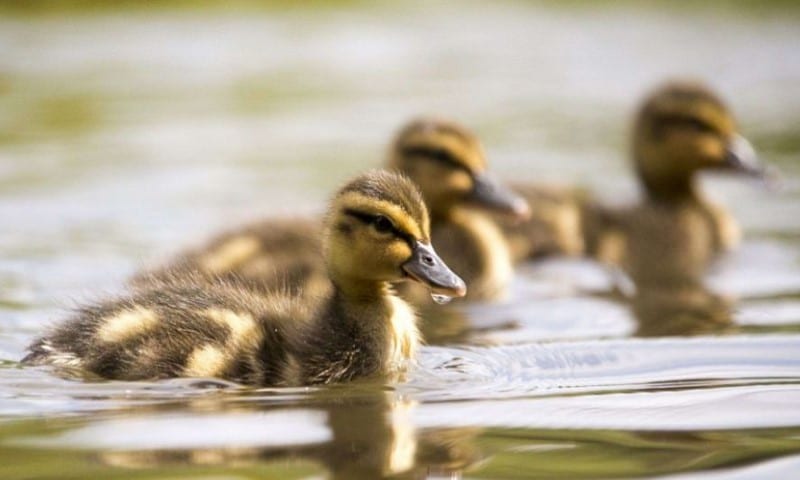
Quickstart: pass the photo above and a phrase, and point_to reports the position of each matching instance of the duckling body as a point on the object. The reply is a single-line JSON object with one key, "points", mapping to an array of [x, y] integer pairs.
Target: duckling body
{"points": [[663, 243], [377, 232]]}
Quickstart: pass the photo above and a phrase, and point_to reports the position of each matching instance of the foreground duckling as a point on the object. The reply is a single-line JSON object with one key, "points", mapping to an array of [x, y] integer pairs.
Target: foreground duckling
{"points": [[376, 232], [673, 234], [448, 163]]}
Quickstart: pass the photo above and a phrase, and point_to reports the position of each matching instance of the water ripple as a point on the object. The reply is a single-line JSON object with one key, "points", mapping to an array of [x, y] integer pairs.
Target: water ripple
{"points": [[577, 367]]}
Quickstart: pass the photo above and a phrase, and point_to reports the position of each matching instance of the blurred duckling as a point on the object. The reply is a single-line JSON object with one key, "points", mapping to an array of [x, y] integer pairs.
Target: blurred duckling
{"points": [[673, 234], [448, 163], [445, 160], [264, 255], [376, 232]]}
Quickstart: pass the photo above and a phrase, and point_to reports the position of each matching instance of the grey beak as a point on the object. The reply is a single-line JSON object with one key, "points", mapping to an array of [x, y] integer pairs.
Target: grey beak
{"points": [[742, 157], [493, 195], [426, 267]]}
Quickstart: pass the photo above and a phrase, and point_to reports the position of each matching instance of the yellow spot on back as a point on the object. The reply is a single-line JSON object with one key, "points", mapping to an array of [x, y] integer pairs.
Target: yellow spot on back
{"points": [[205, 361], [241, 325], [244, 334], [127, 324], [231, 254]]}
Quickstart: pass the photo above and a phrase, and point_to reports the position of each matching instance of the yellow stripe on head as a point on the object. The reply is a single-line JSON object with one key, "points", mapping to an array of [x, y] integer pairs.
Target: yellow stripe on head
{"points": [[442, 139], [381, 192]]}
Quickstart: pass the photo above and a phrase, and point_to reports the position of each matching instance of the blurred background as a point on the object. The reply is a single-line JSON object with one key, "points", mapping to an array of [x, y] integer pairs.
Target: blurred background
{"points": [[129, 130]]}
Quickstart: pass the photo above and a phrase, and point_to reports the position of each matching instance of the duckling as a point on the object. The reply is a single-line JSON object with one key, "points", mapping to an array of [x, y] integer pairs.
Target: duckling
{"points": [[448, 163], [445, 160], [673, 234], [376, 232]]}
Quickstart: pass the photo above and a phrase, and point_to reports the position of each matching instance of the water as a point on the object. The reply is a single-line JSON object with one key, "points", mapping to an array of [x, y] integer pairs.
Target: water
{"points": [[126, 136], [440, 299]]}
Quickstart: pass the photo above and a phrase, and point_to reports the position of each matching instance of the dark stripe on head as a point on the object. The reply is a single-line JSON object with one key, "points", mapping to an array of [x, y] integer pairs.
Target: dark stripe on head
{"points": [[438, 155], [371, 219]]}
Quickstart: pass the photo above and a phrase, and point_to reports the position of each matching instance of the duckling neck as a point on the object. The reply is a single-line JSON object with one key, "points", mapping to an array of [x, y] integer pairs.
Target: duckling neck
{"points": [[374, 322], [474, 246], [674, 190]]}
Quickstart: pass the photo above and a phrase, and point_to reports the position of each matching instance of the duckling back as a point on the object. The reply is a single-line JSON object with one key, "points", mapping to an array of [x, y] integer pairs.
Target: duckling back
{"points": [[180, 329]]}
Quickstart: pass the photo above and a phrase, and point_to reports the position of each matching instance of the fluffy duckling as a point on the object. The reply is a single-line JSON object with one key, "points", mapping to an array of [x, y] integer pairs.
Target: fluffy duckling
{"points": [[376, 232], [672, 235], [448, 163]]}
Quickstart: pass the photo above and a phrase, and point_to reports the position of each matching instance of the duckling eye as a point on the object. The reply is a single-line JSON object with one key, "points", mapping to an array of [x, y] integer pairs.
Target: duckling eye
{"points": [[698, 125], [382, 224]]}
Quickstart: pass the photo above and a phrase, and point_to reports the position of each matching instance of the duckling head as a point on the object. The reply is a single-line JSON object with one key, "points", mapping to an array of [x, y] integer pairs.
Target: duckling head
{"points": [[682, 128], [448, 164], [377, 230]]}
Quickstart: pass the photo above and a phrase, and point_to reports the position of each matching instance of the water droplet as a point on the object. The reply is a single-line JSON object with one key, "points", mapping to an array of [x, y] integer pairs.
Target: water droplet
{"points": [[441, 299]]}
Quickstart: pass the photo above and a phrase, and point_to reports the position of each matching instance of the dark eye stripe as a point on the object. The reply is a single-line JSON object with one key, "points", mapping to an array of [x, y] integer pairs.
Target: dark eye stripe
{"points": [[439, 155], [370, 219], [683, 121]]}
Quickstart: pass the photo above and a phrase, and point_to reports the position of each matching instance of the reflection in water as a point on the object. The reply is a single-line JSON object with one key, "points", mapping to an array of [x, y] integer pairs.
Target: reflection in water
{"points": [[369, 433], [690, 309], [366, 434]]}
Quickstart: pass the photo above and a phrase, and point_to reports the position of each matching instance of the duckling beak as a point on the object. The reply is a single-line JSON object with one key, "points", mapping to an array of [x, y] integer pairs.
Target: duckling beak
{"points": [[426, 267], [741, 157], [493, 195]]}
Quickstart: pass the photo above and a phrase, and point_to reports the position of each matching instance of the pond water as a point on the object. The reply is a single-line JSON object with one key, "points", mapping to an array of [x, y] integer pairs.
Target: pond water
{"points": [[125, 136]]}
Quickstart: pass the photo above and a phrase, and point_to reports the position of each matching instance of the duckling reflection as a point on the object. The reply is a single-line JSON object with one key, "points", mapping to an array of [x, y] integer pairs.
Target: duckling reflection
{"points": [[690, 309], [448, 164], [376, 232], [667, 241], [371, 436]]}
